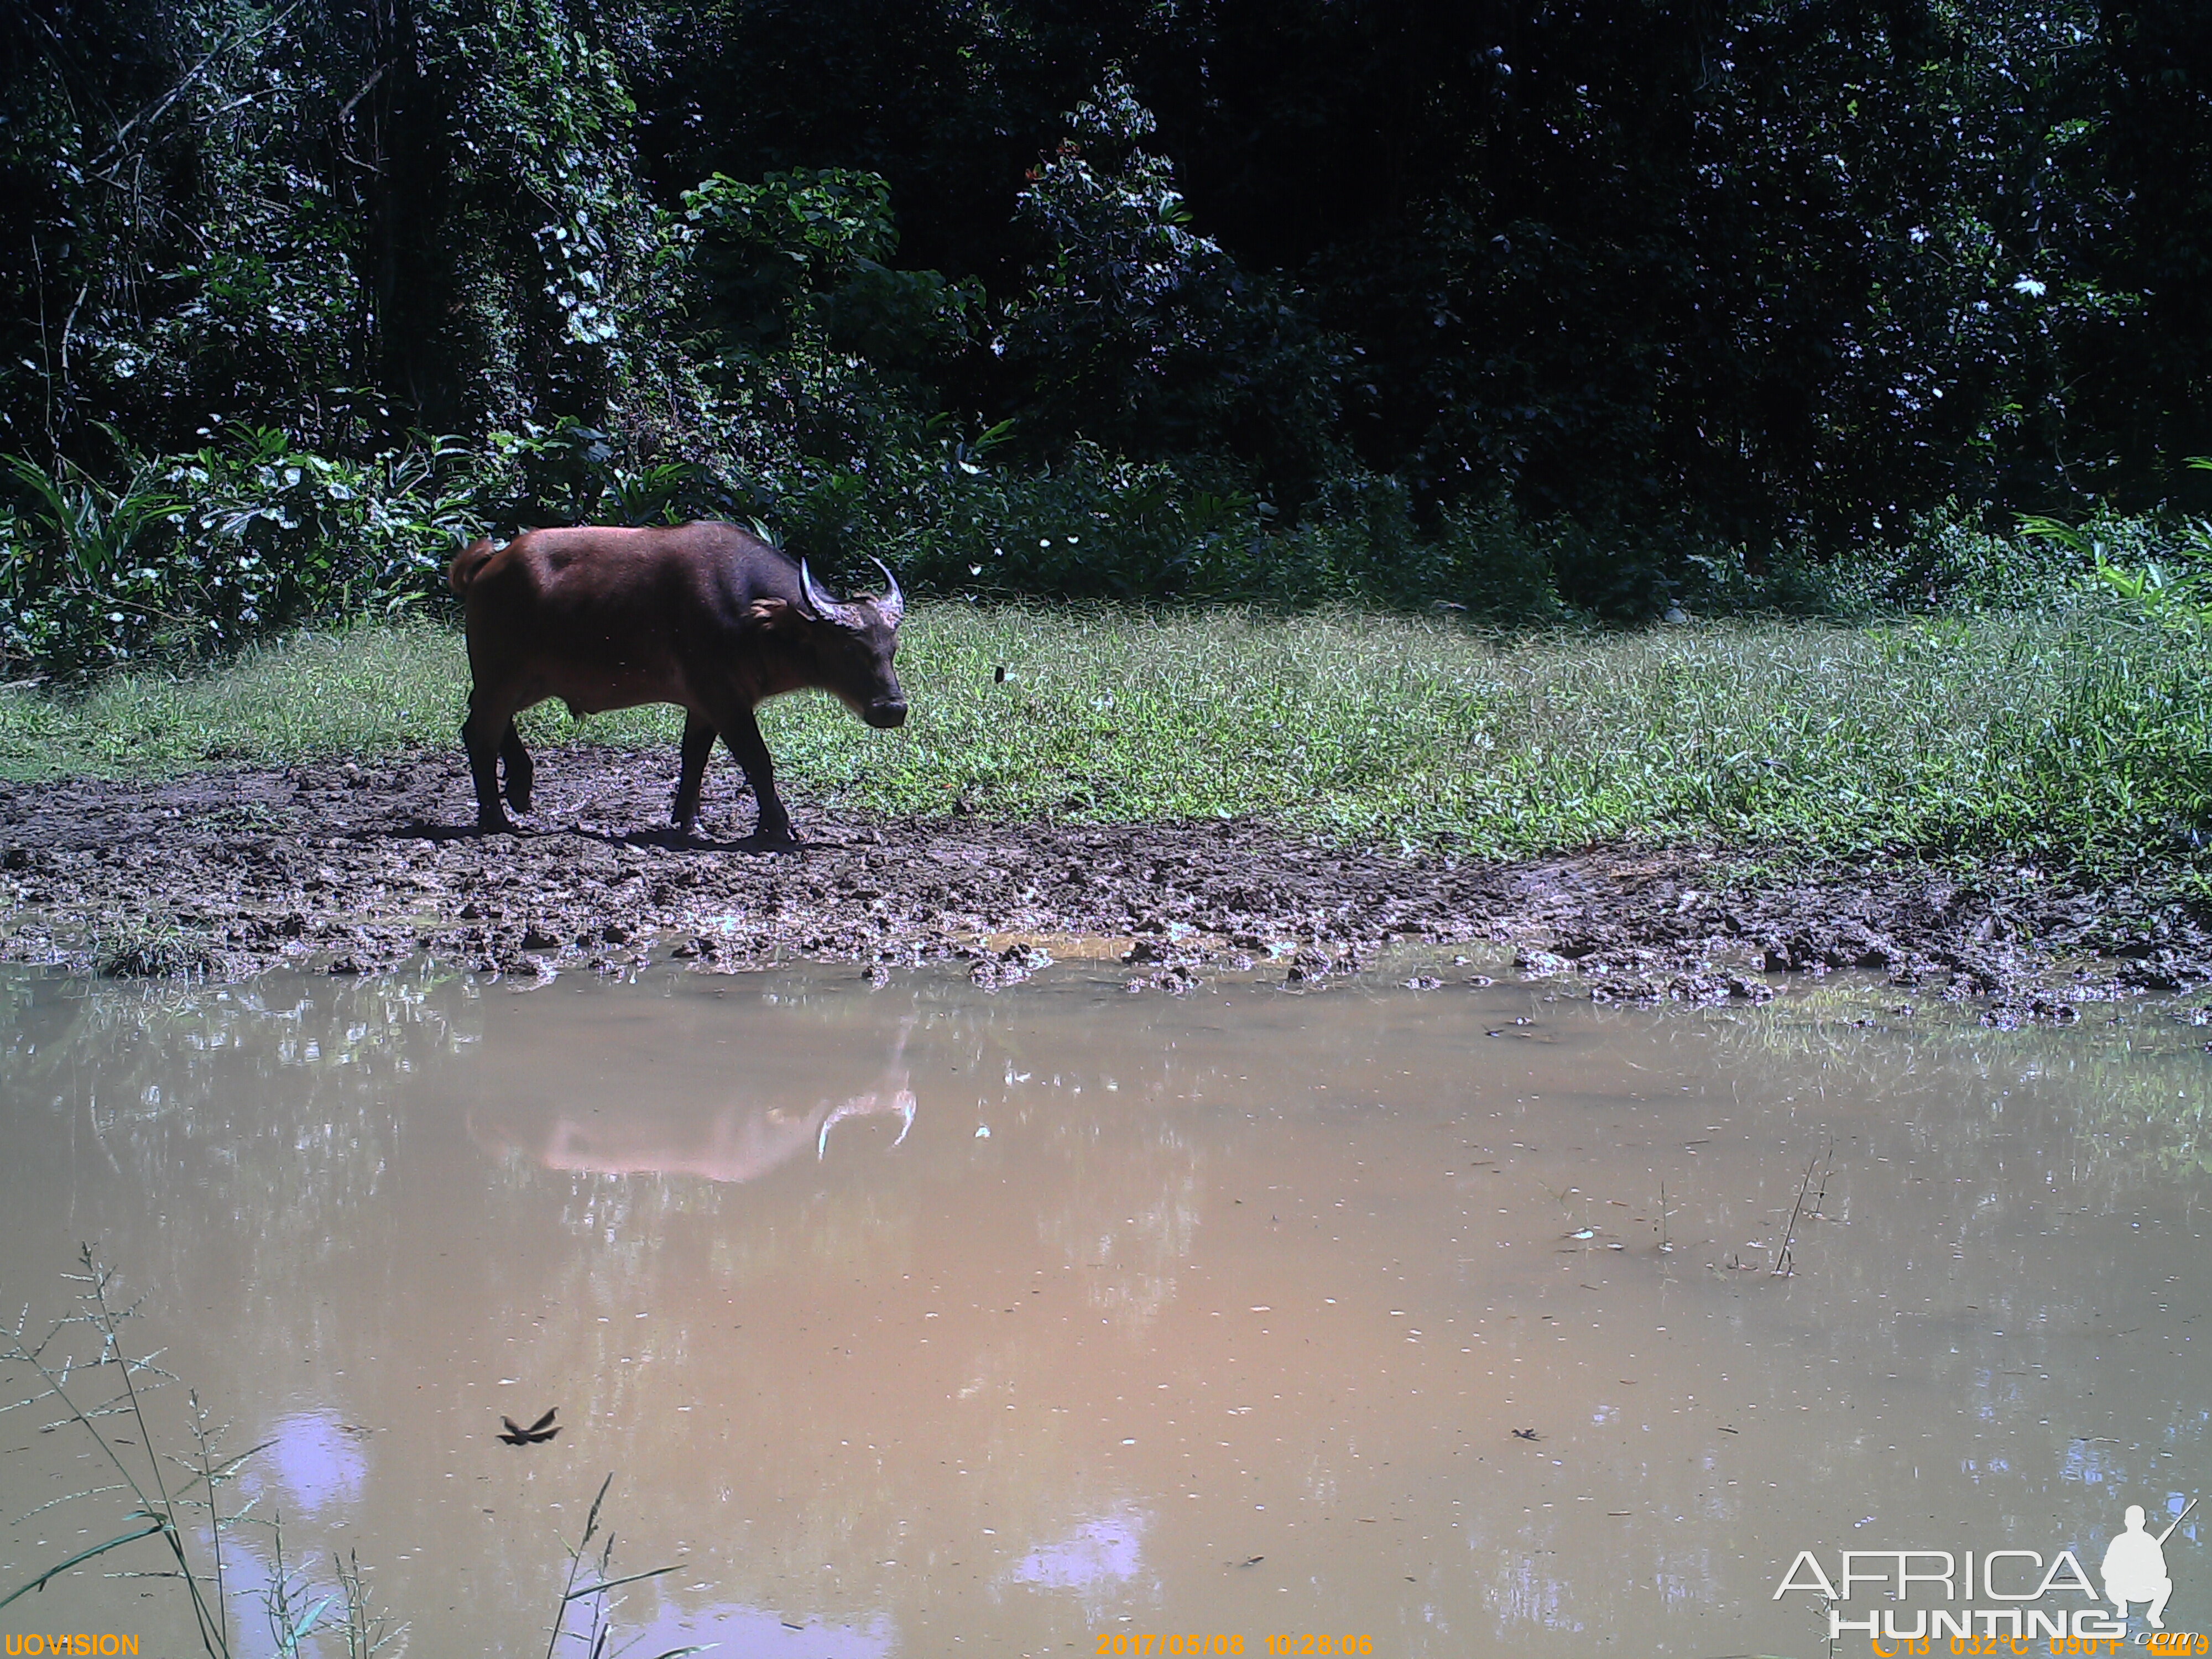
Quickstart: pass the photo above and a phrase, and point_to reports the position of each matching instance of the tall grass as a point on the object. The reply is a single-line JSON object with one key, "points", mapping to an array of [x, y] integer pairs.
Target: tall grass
{"points": [[2085, 737], [175, 1500], [368, 691]]}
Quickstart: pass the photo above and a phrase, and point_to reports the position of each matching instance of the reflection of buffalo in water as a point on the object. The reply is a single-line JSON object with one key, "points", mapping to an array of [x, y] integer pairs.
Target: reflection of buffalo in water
{"points": [[735, 1143]]}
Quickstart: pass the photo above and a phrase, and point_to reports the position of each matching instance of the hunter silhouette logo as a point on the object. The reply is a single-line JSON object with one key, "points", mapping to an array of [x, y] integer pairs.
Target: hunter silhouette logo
{"points": [[2019, 1594], [2134, 1567]]}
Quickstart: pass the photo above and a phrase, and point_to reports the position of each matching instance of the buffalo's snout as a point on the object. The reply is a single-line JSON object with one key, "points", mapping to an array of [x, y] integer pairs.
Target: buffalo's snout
{"points": [[886, 713]]}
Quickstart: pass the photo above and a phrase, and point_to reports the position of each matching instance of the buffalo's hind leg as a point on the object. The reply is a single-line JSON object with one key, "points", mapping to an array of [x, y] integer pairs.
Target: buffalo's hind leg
{"points": [[514, 763], [485, 733], [698, 746]]}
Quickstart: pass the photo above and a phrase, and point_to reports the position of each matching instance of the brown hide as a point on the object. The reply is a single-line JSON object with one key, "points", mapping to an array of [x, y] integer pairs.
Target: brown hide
{"points": [[703, 616]]}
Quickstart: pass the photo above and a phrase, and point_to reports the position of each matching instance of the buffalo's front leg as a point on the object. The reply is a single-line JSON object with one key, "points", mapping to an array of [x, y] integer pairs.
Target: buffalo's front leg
{"points": [[742, 734], [515, 759], [698, 746]]}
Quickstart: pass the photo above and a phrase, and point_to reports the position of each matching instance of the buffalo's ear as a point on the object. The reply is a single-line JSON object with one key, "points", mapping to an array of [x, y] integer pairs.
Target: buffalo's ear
{"points": [[771, 614]]}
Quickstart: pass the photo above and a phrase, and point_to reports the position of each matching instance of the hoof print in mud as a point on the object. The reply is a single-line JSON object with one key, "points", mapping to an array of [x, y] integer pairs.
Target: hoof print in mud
{"points": [[1309, 965], [1540, 965], [995, 971], [1176, 979]]}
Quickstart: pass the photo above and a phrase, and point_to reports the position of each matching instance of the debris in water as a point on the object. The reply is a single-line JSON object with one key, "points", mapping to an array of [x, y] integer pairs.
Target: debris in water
{"points": [[540, 1431]]}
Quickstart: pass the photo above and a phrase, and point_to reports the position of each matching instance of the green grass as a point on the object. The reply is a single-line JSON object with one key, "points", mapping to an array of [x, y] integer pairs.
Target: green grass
{"points": [[2084, 739], [366, 691]]}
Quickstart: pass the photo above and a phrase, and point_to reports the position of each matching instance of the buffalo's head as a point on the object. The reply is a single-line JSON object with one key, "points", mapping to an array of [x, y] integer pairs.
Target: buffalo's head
{"points": [[854, 641]]}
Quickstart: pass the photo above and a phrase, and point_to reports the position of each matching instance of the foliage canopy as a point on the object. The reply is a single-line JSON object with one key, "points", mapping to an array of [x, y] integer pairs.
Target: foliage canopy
{"points": [[1504, 303]]}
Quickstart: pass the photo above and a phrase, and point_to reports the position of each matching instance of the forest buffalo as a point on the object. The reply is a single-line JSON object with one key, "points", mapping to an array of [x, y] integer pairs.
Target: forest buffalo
{"points": [[704, 616]]}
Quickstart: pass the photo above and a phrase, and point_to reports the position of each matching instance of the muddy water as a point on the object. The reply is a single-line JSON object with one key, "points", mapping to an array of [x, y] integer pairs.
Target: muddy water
{"points": [[914, 1321]]}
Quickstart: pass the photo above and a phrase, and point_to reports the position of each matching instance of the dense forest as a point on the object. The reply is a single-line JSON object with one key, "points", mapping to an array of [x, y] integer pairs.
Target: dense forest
{"points": [[1522, 306]]}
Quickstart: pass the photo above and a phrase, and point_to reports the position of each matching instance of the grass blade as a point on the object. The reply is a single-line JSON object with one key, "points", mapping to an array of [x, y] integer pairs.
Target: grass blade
{"points": [[610, 1584], [154, 1524], [307, 1619]]}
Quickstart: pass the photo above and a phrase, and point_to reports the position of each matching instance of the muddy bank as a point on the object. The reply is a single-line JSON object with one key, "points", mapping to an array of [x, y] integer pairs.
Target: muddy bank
{"points": [[354, 868]]}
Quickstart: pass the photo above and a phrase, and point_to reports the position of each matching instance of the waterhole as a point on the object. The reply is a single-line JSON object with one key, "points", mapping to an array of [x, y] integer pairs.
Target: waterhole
{"points": [[914, 1320]]}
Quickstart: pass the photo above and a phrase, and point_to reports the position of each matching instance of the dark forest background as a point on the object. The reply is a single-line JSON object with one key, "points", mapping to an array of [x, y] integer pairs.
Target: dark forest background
{"points": [[1528, 307]]}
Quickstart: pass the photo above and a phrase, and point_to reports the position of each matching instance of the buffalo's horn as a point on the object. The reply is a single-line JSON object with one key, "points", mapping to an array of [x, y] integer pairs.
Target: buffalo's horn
{"points": [[892, 606], [902, 1103], [818, 602], [850, 1108]]}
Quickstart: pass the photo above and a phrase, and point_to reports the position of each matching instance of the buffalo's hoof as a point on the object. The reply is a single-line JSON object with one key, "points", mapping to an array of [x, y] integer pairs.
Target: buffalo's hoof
{"points": [[496, 825]]}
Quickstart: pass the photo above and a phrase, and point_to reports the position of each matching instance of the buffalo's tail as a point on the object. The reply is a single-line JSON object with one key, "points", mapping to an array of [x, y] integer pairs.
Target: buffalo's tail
{"points": [[466, 563]]}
